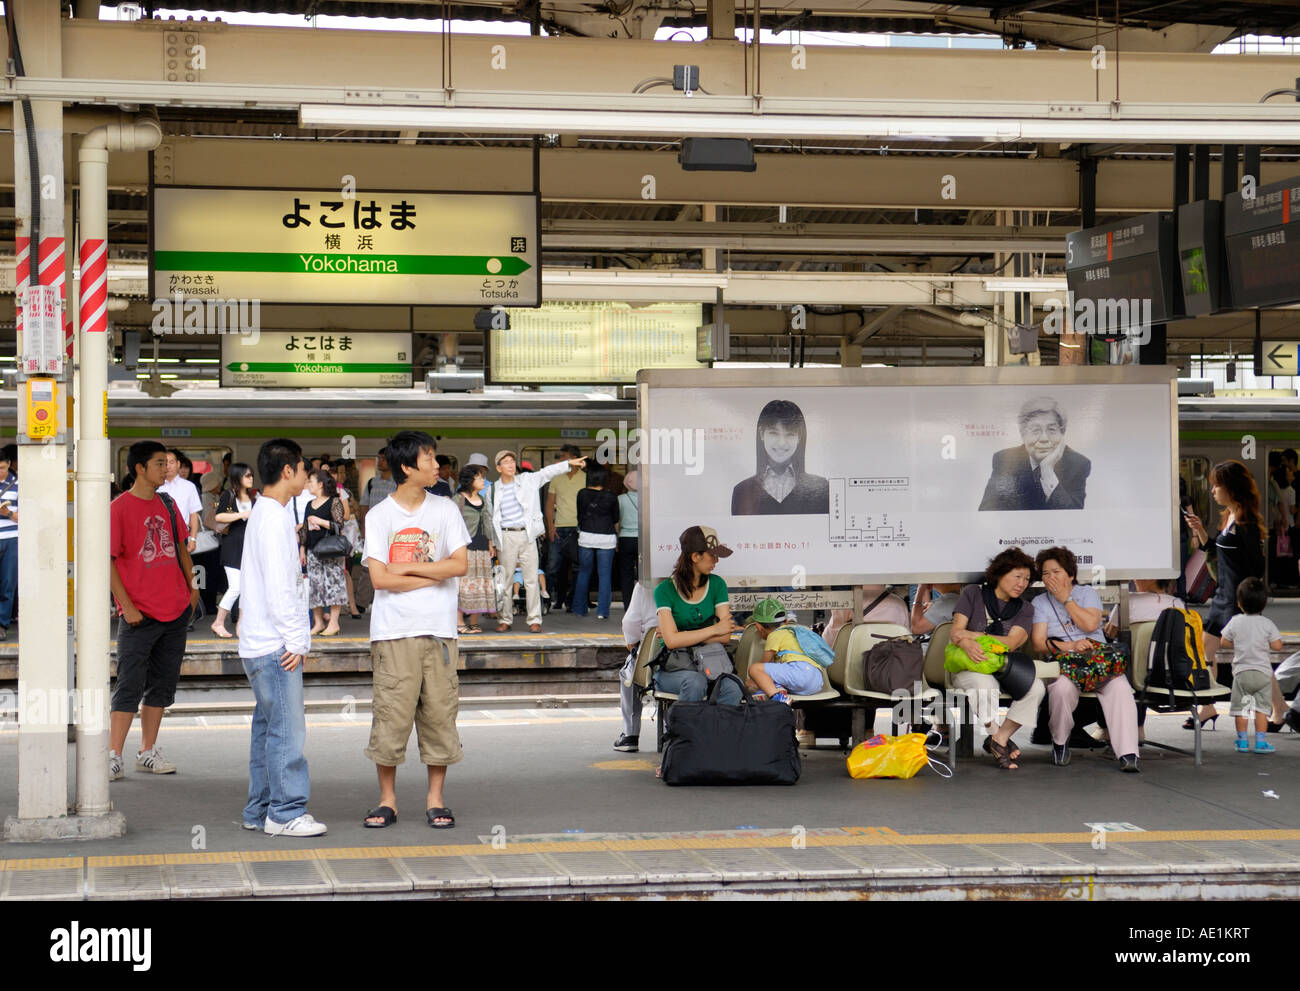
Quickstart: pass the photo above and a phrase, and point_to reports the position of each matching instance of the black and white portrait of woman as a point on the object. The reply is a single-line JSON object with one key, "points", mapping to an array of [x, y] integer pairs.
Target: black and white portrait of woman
{"points": [[780, 486], [1043, 472]]}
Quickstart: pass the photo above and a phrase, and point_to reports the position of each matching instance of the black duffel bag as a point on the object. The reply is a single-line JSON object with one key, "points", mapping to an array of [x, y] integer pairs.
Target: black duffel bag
{"points": [[708, 743]]}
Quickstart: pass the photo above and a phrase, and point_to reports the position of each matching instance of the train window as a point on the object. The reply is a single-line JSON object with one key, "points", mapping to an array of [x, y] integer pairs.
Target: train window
{"points": [[204, 459], [1195, 473]]}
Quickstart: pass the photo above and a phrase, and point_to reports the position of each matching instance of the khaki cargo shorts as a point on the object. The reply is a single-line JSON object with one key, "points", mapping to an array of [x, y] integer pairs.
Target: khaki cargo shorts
{"points": [[415, 683]]}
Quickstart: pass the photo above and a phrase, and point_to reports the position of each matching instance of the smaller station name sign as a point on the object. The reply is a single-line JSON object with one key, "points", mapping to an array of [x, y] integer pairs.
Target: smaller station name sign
{"points": [[317, 359], [322, 246]]}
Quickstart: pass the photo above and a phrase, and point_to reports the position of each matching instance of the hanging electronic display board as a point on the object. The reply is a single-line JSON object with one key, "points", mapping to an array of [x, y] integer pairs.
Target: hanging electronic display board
{"points": [[1203, 281], [1262, 235], [1129, 262]]}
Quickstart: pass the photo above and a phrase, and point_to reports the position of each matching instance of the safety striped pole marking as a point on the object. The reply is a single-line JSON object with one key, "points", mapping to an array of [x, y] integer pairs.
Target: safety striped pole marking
{"points": [[94, 286], [50, 272]]}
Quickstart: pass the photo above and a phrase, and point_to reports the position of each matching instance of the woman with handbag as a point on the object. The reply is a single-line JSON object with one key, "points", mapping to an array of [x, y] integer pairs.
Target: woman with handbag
{"points": [[232, 512], [1068, 625], [695, 622], [476, 595], [1238, 550], [995, 611], [323, 519]]}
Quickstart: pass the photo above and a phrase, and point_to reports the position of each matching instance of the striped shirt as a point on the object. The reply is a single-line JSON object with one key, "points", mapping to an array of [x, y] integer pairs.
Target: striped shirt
{"points": [[9, 497], [512, 514]]}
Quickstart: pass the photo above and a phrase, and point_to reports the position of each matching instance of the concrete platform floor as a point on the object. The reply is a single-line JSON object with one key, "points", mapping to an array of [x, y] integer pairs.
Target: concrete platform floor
{"points": [[550, 777]]}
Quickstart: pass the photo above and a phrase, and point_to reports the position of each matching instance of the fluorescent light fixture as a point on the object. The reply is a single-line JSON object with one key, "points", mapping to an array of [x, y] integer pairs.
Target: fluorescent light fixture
{"points": [[1025, 285], [202, 361], [126, 270], [1267, 128], [630, 277]]}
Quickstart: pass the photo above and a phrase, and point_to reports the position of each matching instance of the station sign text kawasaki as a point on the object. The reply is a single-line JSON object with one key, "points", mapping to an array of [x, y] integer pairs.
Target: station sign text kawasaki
{"points": [[327, 246]]}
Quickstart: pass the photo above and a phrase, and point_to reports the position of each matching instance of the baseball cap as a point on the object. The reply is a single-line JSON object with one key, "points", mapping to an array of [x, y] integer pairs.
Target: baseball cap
{"points": [[504, 454], [702, 539], [477, 459], [769, 612], [526, 465]]}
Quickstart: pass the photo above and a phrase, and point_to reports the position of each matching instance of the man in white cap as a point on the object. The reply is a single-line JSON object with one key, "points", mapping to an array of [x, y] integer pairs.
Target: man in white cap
{"points": [[517, 523]]}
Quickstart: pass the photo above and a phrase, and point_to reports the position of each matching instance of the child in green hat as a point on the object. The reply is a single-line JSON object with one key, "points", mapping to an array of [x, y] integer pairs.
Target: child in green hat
{"points": [[785, 668]]}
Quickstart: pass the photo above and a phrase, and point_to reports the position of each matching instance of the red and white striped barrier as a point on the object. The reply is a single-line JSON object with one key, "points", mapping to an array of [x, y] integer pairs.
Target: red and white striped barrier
{"points": [[94, 286]]}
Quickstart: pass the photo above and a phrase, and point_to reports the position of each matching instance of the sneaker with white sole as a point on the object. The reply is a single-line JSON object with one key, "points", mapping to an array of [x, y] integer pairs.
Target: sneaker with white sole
{"points": [[115, 772], [154, 762], [304, 825]]}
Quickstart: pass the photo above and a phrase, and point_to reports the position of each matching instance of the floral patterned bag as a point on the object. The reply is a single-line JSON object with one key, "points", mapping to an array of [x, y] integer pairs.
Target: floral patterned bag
{"points": [[1090, 669]]}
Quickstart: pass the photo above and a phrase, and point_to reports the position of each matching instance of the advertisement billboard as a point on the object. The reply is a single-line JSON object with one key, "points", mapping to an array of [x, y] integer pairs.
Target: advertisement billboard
{"points": [[890, 475]]}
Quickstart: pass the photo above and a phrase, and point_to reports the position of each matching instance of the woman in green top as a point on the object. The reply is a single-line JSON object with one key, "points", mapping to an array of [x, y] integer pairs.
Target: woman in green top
{"points": [[693, 610]]}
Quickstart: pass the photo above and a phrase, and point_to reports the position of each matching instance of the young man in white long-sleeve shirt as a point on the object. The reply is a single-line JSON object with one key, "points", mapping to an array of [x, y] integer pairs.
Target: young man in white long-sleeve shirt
{"points": [[274, 638], [639, 618]]}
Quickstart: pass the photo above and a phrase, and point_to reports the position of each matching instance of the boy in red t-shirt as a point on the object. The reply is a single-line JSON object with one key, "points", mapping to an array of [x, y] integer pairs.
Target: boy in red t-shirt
{"points": [[153, 582]]}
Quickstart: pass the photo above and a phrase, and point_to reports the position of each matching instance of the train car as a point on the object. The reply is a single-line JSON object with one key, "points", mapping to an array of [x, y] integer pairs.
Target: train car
{"points": [[207, 424]]}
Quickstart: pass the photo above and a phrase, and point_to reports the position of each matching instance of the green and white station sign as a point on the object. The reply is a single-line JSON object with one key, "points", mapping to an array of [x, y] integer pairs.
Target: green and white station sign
{"points": [[325, 246], [304, 359]]}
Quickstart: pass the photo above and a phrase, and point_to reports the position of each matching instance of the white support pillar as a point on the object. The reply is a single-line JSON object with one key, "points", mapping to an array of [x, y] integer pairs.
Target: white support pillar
{"points": [[43, 689], [93, 461], [94, 458]]}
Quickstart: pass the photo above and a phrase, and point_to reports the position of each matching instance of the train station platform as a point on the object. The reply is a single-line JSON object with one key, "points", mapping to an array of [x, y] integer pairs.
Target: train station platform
{"points": [[579, 652], [545, 808]]}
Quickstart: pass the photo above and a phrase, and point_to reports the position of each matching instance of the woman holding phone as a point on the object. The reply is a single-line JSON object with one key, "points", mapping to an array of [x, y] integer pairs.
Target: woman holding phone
{"points": [[1239, 550]]}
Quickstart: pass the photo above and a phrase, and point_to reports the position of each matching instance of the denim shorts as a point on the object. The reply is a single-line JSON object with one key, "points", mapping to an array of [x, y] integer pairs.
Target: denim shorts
{"points": [[796, 677], [149, 662]]}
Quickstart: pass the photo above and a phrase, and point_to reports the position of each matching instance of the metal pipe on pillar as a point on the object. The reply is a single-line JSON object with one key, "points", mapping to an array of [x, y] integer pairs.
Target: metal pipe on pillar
{"points": [[94, 457]]}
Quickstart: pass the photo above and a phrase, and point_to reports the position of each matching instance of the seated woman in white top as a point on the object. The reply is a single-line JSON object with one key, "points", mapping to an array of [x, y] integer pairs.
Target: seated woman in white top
{"points": [[878, 606], [1069, 616], [1145, 605]]}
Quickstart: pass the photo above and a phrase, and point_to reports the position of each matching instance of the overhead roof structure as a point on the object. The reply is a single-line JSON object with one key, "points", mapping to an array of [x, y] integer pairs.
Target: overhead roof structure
{"points": [[906, 188]]}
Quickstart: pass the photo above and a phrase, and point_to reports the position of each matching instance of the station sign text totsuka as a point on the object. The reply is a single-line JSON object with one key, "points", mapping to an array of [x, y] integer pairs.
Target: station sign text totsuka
{"points": [[323, 246]]}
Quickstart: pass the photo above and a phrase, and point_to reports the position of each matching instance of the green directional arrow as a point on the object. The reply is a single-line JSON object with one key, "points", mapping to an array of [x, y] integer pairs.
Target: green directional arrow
{"points": [[330, 263], [329, 367]]}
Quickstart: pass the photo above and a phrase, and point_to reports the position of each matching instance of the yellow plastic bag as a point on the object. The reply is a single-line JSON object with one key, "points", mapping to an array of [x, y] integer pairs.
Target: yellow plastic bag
{"points": [[892, 757]]}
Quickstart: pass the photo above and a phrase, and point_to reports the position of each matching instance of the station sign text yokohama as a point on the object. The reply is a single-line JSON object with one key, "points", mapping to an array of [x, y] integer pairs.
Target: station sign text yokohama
{"points": [[354, 246]]}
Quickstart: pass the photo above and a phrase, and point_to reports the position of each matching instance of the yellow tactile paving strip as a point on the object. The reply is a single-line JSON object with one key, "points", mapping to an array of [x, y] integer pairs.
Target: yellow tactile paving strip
{"points": [[854, 836]]}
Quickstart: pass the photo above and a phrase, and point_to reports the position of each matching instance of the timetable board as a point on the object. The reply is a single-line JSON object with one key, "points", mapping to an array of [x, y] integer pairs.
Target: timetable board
{"points": [[602, 342]]}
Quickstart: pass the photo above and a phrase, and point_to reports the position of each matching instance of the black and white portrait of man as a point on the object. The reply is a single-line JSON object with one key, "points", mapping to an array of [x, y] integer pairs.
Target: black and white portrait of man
{"points": [[1043, 472]]}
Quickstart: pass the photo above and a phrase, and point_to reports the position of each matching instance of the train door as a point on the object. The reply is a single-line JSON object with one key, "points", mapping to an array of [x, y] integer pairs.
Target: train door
{"points": [[1278, 495]]}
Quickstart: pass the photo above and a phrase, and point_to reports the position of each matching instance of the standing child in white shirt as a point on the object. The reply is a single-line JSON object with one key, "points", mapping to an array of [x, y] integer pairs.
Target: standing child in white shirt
{"points": [[1250, 634], [274, 639], [416, 549]]}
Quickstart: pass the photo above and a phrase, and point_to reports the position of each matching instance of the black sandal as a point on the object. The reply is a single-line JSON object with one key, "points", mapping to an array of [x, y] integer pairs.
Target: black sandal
{"points": [[1011, 746], [384, 812], [1003, 755], [434, 814]]}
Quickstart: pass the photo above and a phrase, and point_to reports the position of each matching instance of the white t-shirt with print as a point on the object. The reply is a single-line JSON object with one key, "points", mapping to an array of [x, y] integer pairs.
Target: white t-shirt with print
{"points": [[435, 531]]}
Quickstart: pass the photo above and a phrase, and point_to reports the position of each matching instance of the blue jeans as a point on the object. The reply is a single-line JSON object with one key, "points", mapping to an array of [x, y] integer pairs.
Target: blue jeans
{"points": [[278, 785], [8, 579], [691, 686], [604, 562]]}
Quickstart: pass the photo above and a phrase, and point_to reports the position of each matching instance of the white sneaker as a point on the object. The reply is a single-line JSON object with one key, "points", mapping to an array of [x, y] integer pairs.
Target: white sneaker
{"points": [[154, 762], [304, 825], [115, 772]]}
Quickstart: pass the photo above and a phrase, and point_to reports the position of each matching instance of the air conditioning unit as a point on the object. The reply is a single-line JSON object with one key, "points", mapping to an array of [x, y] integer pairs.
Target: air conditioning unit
{"points": [[453, 381]]}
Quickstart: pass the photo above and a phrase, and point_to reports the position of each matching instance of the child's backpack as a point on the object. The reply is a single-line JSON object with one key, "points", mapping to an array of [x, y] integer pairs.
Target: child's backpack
{"points": [[1176, 657], [812, 645]]}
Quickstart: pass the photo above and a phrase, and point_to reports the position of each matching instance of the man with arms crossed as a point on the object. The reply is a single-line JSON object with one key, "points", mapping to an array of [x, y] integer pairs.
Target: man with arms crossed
{"points": [[274, 639], [152, 579], [415, 549]]}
